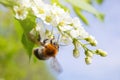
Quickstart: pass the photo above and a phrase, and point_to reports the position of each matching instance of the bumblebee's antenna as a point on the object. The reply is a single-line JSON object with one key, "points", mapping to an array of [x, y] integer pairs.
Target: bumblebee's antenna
{"points": [[58, 38]]}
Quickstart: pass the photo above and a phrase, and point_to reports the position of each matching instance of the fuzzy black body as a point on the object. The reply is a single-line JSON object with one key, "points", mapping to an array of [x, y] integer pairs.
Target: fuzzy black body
{"points": [[39, 55]]}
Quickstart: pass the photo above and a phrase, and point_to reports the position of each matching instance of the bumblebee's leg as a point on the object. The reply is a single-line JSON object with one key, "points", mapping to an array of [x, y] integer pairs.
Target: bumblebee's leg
{"points": [[39, 40], [44, 42], [54, 42], [51, 41]]}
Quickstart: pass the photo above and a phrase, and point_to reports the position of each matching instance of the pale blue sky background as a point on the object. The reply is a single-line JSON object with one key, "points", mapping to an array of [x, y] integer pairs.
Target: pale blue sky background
{"points": [[108, 37]]}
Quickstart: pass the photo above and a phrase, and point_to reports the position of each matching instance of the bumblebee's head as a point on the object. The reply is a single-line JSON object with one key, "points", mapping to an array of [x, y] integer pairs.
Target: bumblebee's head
{"points": [[56, 45]]}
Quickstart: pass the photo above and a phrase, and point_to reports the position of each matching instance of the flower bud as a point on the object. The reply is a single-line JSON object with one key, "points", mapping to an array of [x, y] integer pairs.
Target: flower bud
{"points": [[91, 40], [76, 53], [101, 52], [88, 39], [88, 53], [75, 43], [93, 43], [88, 60]]}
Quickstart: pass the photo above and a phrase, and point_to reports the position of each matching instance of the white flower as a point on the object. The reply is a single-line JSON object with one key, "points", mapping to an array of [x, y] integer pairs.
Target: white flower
{"points": [[65, 40], [74, 33], [37, 28], [38, 2], [64, 19], [38, 11], [53, 15], [40, 28], [20, 12], [65, 28], [76, 22], [44, 13], [79, 32], [83, 33], [39, 8]]}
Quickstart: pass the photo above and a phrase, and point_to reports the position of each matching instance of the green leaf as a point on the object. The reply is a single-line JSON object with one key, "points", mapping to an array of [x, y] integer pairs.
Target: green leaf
{"points": [[18, 28], [81, 16], [87, 7], [99, 1], [27, 44], [27, 25]]}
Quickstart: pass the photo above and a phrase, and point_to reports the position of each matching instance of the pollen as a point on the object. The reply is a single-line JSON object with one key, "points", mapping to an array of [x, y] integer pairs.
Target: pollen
{"points": [[61, 23], [20, 12], [48, 19], [41, 11]]}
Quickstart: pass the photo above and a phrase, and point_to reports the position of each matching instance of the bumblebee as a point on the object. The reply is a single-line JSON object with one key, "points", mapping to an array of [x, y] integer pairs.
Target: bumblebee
{"points": [[48, 49]]}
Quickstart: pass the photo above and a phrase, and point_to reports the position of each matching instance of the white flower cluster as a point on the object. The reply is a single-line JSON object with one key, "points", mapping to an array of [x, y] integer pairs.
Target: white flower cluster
{"points": [[52, 15], [21, 9], [68, 27]]}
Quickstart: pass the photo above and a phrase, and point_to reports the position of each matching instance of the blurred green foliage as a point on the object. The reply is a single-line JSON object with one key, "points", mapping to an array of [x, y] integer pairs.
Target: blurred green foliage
{"points": [[14, 62]]}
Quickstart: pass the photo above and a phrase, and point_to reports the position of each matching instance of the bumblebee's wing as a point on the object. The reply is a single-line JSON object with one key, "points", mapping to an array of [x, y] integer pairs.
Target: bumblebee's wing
{"points": [[55, 65]]}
